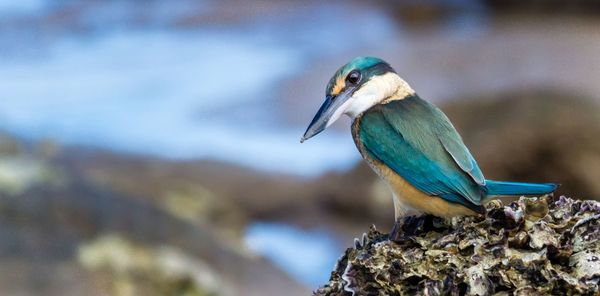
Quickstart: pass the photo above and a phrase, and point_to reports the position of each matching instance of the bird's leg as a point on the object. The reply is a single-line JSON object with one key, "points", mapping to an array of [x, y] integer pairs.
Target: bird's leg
{"points": [[410, 226], [415, 225], [396, 229], [404, 227]]}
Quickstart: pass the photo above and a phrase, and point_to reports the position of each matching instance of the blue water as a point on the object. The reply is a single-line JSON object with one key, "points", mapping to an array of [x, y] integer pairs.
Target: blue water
{"points": [[307, 255], [21, 7], [204, 92]]}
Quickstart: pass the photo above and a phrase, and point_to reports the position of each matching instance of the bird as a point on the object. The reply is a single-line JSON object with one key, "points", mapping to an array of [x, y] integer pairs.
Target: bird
{"points": [[410, 143]]}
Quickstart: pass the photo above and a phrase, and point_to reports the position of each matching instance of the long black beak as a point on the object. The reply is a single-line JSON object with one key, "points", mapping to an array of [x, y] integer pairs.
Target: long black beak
{"points": [[322, 119]]}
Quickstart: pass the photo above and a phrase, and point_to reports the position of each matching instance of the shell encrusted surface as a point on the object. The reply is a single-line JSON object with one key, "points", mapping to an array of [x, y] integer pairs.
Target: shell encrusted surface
{"points": [[534, 246]]}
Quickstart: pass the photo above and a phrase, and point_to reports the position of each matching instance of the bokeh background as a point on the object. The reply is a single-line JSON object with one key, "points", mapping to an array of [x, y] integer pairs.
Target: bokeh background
{"points": [[152, 147]]}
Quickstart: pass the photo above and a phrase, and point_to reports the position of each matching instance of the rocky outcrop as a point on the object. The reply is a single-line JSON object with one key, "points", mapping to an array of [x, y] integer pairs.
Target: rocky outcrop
{"points": [[531, 247], [148, 233]]}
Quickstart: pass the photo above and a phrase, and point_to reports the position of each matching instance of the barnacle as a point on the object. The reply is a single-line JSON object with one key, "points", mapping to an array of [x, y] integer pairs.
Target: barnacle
{"points": [[531, 246]]}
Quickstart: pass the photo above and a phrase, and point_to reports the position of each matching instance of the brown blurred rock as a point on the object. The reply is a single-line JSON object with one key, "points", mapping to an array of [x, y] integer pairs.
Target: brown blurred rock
{"points": [[537, 137], [546, 6], [139, 270], [9, 146], [142, 201]]}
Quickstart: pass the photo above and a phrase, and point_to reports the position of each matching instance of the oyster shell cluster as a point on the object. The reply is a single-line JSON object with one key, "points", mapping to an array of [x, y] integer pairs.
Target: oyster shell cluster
{"points": [[534, 246]]}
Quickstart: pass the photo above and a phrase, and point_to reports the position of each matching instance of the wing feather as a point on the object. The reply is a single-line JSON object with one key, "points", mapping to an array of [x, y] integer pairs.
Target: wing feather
{"points": [[417, 141]]}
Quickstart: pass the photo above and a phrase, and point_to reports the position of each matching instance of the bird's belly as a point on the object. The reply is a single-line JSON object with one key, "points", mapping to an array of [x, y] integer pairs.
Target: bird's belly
{"points": [[407, 197]]}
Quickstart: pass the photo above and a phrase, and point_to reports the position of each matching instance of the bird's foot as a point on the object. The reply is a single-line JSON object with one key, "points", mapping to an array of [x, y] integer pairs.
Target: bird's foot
{"points": [[406, 228], [402, 228], [396, 233]]}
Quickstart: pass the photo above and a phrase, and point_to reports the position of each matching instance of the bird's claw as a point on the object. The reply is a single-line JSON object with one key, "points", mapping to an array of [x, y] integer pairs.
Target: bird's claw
{"points": [[406, 228]]}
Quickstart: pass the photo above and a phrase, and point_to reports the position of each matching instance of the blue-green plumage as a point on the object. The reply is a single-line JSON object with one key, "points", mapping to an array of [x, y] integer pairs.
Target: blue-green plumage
{"points": [[518, 188], [418, 142], [409, 142]]}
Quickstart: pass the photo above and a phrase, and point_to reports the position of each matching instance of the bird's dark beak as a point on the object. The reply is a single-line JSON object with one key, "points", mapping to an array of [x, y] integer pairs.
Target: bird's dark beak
{"points": [[323, 118]]}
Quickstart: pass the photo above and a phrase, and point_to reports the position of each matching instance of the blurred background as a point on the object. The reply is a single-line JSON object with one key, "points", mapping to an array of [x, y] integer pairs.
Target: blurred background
{"points": [[152, 147]]}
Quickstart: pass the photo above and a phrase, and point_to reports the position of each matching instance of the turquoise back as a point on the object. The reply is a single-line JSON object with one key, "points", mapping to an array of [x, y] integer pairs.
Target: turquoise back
{"points": [[418, 142]]}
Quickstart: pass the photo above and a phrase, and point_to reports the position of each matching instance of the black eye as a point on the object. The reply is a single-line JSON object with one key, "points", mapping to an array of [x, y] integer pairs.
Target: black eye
{"points": [[353, 77]]}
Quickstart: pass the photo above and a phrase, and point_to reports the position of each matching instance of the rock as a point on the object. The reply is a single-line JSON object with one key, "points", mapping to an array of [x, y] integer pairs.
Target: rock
{"points": [[76, 222], [514, 249], [149, 271], [17, 174]]}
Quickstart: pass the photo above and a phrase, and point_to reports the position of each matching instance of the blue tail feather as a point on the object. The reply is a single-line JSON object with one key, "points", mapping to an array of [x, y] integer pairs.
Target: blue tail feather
{"points": [[517, 188]]}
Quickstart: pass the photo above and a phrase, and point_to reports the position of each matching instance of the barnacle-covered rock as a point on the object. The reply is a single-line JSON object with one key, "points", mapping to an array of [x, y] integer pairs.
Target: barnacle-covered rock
{"points": [[534, 246]]}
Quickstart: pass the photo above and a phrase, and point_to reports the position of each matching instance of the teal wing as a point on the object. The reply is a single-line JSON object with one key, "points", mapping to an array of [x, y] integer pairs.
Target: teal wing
{"points": [[418, 142]]}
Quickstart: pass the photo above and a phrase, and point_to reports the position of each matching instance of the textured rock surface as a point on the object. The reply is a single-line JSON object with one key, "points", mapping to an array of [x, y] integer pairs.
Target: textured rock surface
{"points": [[530, 247]]}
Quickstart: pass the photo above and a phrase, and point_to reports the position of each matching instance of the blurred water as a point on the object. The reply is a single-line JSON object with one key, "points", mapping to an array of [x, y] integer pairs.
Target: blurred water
{"points": [[201, 93], [145, 92], [21, 7], [307, 255], [200, 79]]}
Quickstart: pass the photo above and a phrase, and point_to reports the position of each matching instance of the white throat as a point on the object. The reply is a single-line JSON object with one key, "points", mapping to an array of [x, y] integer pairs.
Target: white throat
{"points": [[376, 90]]}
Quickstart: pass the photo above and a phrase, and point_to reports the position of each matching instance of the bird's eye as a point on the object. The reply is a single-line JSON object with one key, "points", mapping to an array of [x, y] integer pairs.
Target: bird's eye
{"points": [[353, 77]]}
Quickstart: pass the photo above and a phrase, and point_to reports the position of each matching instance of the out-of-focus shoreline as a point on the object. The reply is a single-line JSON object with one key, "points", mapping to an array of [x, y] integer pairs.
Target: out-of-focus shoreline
{"points": [[83, 194]]}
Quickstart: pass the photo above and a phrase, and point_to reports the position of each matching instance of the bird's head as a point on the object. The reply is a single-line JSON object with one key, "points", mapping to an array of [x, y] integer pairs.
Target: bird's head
{"points": [[356, 87]]}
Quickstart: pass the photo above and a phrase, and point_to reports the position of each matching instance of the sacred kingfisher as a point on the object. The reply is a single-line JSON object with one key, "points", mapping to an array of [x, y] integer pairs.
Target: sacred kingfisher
{"points": [[410, 143]]}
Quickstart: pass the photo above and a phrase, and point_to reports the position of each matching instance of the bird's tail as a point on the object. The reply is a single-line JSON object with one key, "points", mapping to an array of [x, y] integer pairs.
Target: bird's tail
{"points": [[516, 188]]}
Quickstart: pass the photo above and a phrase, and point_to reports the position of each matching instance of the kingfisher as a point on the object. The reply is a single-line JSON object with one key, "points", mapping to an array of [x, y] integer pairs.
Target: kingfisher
{"points": [[410, 143]]}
